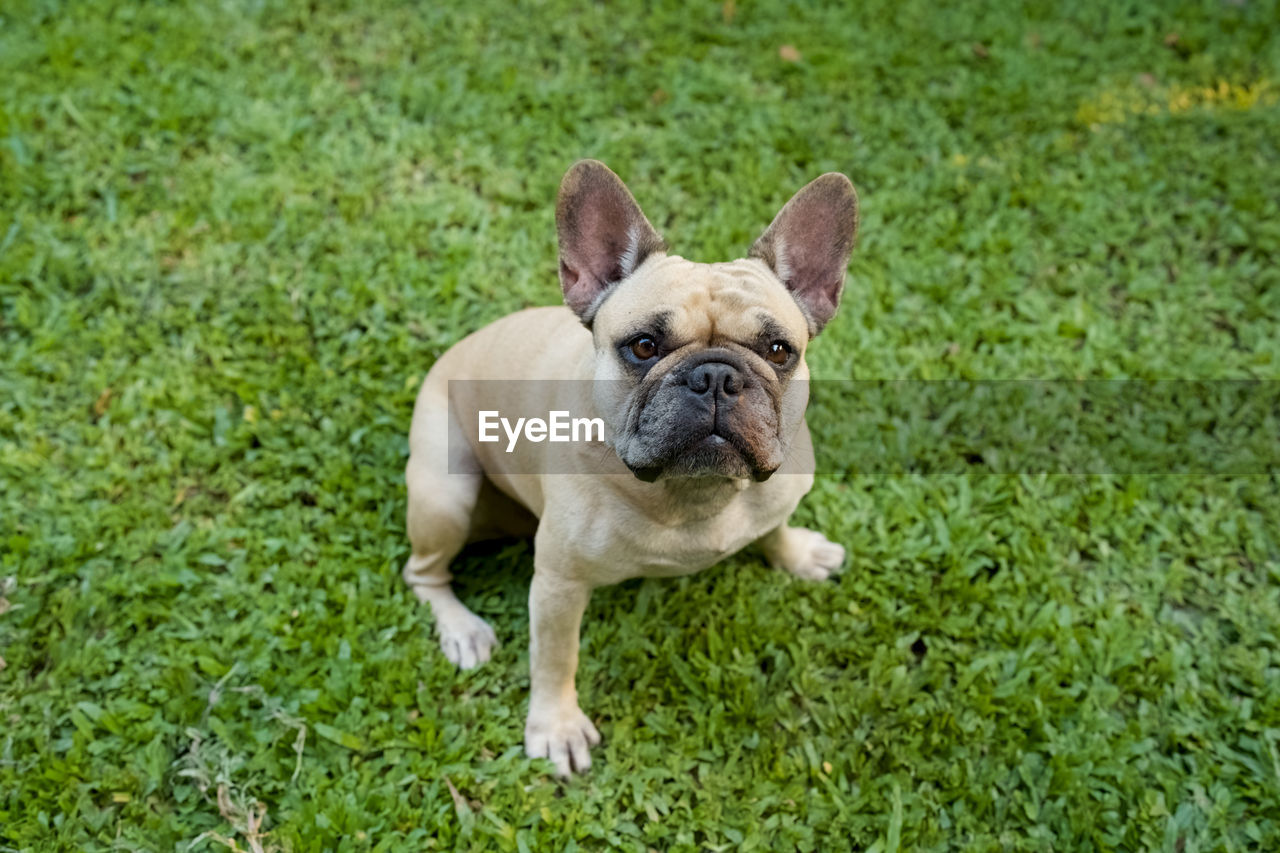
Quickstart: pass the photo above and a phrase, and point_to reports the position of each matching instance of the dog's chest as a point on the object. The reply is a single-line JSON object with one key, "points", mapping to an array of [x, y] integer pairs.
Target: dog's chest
{"points": [[639, 547]]}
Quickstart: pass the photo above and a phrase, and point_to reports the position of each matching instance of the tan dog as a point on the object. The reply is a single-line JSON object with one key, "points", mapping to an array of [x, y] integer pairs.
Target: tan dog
{"points": [[698, 371]]}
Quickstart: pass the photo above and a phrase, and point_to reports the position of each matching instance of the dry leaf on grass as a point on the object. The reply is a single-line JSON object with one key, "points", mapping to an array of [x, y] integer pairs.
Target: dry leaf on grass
{"points": [[104, 400], [460, 804]]}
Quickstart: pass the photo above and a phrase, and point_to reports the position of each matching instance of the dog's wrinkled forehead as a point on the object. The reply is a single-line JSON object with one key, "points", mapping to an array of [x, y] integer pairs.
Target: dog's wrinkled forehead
{"points": [[704, 303]]}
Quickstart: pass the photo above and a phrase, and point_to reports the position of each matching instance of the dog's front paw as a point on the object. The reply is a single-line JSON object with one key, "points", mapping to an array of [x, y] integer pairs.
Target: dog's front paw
{"points": [[563, 735], [804, 553]]}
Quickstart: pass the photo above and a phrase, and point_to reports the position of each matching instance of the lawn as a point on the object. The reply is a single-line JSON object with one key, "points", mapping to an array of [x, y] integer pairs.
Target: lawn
{"points": [[235, 235]]}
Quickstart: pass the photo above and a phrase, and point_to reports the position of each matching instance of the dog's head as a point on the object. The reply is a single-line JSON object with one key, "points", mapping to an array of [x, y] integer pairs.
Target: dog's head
{"points": [[700, 367]]}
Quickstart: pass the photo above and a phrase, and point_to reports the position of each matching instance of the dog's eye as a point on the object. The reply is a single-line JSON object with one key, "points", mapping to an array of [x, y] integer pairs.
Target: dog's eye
{"points": [[644, 348], [778, 352]]}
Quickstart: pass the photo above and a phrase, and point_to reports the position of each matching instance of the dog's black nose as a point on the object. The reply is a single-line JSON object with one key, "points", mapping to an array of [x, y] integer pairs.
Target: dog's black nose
{"points": [[715, 378]]}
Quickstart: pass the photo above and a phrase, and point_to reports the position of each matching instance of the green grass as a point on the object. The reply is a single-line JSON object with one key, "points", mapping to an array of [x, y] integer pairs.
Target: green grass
{"points": [[233, 237]]}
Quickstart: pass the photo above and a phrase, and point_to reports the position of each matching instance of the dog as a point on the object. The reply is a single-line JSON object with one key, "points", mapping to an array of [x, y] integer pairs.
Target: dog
{"points": [[699, 372]]}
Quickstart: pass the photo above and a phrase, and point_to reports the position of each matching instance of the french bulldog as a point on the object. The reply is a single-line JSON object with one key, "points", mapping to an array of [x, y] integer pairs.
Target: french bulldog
{"points": [[699, 372]]}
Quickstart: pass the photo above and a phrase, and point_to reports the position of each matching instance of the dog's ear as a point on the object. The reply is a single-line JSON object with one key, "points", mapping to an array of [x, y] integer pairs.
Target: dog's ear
{"points": [[604, 235], [809, 242]]}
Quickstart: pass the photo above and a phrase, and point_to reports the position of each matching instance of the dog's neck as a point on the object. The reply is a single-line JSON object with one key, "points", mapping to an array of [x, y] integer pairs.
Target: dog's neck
{"points": [[680, 500]]}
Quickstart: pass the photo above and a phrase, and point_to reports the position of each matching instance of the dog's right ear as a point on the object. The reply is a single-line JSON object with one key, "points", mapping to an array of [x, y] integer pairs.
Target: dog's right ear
{"points": [[604, 236]]}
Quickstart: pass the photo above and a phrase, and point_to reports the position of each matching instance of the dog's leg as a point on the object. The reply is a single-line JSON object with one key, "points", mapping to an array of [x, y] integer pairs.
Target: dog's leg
{"points": [[556, 728], [804, 553], [439, 521]]}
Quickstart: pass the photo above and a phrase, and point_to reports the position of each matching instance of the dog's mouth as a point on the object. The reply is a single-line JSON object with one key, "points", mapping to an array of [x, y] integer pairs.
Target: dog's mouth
{"points": [[712, 417], [705, 454]]}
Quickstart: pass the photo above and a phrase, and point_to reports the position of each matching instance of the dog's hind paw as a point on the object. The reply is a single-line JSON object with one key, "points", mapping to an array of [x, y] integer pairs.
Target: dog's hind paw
{"points": [[466, 639], [804, 553]]}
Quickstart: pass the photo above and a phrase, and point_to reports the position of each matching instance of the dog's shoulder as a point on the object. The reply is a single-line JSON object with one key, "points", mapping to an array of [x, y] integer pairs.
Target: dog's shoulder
{"points": [[534, 343]]}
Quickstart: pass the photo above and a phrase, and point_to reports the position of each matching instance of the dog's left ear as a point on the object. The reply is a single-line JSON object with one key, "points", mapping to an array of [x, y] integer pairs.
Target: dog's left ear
{"points": [[604, 236], [809, 242]]}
